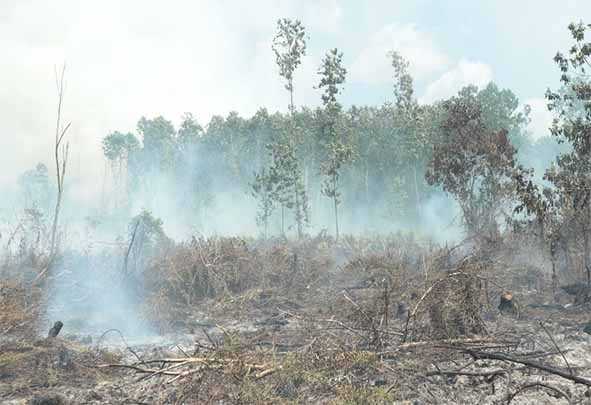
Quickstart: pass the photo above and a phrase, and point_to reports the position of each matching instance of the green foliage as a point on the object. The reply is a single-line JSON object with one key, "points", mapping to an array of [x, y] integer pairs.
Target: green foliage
{"points": [[500, 109], [289, 45], [149, 226], [337, 147], [370, 159], [403, 83], [332, 76], [146, 238], [284, 181], [571, 176], [189, 132], [263, 190], [118, 146]]}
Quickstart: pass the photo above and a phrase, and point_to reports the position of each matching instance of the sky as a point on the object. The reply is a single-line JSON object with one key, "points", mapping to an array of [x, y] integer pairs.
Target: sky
{"points": [[133, 58]]}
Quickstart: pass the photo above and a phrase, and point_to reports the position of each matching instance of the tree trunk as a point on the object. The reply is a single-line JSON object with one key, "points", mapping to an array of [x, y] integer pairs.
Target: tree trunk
{"points": [[366, 180], [554, 276], [417, 194], [298, 212], [282, 220], [586, 261], [291, 108], [336, 206], [266, 226], [336, 219], [567, 258], [56, 214]]}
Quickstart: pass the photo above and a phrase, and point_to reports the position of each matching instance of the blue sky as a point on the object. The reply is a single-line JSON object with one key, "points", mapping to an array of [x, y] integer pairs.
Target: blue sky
{"points": [[138, 57], [515, 39]]}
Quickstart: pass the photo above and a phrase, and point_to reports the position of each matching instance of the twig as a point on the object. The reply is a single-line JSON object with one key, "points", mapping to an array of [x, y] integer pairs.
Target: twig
{"points": [[125, 262], [538, 384], [182, 351], [557, 348], [420, 301], [124, 342], [266, 372], [466, 373]]}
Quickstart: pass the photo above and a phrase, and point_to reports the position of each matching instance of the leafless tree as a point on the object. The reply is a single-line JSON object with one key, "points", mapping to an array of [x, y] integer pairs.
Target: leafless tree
{"points": [[61, 158]]}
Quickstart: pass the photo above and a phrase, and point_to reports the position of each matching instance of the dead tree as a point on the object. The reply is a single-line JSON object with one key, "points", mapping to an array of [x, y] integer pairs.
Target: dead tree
{"points": [[61, 159]]}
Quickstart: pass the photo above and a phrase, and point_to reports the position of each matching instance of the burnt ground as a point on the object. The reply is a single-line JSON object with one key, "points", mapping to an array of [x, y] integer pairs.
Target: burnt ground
{"points": [[345, 337], [321, 345]]}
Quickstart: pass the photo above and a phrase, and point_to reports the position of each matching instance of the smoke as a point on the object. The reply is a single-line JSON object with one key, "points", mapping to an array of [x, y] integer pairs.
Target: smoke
{"points": [[90, 296], [203, 195]]}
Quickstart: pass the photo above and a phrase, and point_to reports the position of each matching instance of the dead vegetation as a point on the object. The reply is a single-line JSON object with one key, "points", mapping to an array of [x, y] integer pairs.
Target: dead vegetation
{"points": [[361, 321]]}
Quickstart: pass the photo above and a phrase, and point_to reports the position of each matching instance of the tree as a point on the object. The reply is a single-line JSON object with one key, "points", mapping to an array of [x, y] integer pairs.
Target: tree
{"points": [[117, 149], [117, 146], [403, 83], [500, 109], [543, 203], [337, 148], [262, 189], [289, 45], [414, 143], [146, 239], [34, 185], [192, 177], [571, 105], [474, 164], [190, 132], [61, 152], [158, 143]]}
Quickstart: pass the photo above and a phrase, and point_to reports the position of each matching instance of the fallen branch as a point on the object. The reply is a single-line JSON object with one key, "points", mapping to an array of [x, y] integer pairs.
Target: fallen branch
{"points": [[561, 393], [557, 348], [466, 373], [174, 364], [532, 364]]}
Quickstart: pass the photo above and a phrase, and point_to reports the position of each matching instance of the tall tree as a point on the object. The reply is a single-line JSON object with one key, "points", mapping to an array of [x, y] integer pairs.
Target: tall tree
{"points": [[289, 46], [410, 116], [117, 149], [190, 132], [336, 143], [571, 105], [262, 189], [61, 153], [403, 83]]}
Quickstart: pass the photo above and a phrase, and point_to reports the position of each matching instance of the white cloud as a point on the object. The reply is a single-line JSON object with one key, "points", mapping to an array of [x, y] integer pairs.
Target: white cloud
{"points": [[372, 65], [463, 74], [541, 118]]}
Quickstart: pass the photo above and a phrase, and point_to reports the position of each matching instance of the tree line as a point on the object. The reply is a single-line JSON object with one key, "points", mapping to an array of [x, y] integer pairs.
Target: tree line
{"points": [[334, 167]]}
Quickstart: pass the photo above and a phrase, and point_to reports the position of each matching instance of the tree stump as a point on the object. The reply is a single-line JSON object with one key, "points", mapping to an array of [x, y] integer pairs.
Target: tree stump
{"points": [[55, 330], [507, 304]]}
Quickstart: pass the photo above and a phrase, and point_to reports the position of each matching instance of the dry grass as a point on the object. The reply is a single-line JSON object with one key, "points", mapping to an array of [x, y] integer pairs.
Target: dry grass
{"points": [[230, 269], [318, 322], [21, 307]]}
